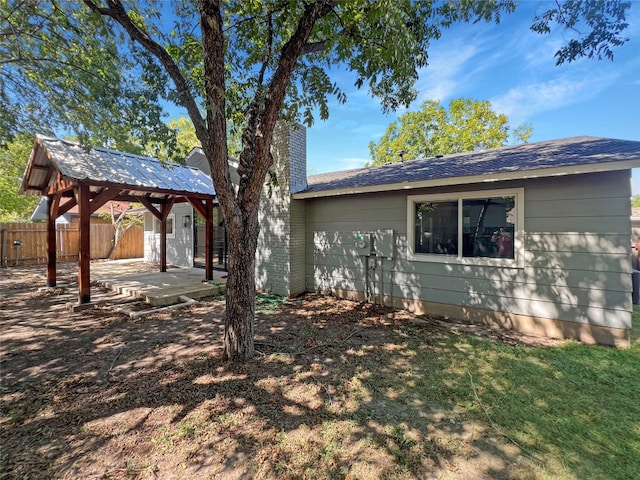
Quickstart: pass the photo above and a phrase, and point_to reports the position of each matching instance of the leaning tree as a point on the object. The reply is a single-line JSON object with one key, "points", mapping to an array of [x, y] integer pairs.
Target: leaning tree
{"points": [[105, 68]]}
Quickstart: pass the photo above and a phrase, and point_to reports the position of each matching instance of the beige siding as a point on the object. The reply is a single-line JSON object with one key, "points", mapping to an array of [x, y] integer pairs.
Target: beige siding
{"points": [[577, 257]]}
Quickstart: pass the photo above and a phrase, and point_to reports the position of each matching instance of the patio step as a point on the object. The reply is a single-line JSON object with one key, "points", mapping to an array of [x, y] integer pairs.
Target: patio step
{"points": [[156, 288], [168, 296]]}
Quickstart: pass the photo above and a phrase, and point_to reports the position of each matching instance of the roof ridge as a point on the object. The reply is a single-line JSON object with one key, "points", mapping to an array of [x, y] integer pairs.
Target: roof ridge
{"points": [[457, 154]]}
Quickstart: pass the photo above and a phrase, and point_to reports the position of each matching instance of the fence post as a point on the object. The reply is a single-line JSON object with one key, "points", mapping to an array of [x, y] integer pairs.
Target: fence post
{"points": [[3, 246]]}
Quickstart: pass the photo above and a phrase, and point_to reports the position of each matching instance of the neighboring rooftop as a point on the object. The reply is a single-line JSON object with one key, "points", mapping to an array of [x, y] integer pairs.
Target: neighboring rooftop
{"points": [[529, 160], [102, 165], [40, 212]]}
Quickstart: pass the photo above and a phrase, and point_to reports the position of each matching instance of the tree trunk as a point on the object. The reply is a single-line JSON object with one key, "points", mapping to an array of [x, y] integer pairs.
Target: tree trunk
{"points": [[117, 236], [240, 209], [240, 289]]}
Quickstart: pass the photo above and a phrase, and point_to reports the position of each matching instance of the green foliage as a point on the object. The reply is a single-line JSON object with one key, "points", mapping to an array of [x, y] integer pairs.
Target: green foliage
{"points": [[464, 126], [123, 220], [186, 140], [66, 67], [598, 26], [13, 162], [635, 201]]}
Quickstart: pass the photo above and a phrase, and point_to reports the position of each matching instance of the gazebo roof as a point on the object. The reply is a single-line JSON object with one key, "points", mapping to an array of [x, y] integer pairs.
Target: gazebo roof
{"points": [[103, 167]]}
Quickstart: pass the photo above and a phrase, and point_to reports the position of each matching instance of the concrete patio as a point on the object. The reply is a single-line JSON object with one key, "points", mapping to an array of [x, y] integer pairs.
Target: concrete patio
{"points": [[137, 279]]}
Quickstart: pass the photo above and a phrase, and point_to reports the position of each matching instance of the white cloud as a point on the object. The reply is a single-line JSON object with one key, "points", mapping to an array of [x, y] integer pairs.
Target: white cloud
{"points": [[350, 163], [459, 63], [539, 52], [524, 101], [440, 79]]}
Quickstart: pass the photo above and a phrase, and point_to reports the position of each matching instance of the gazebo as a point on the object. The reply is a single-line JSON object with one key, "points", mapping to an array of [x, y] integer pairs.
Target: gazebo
{"points": [[69, 174]]}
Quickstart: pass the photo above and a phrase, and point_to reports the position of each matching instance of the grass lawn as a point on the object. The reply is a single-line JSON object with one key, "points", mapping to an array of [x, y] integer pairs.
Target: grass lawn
{"points": [[339, 391], [573, 409]]}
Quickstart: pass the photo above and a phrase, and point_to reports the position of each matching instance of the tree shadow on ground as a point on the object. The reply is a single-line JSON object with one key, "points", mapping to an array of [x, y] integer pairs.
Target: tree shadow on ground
{"points": [[339, 390]]}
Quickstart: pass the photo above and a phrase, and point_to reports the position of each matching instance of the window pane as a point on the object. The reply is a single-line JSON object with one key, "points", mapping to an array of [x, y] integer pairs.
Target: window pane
{"points": [[436, 226], [158, 225], [488, 227]]}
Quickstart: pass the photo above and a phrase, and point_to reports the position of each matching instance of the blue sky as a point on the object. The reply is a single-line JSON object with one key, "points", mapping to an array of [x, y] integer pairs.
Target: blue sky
{"points": [[515, 70]]}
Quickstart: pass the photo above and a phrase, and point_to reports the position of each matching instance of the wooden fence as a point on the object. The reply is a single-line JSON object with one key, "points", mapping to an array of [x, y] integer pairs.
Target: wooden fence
{"points": [[131, 244], [33, 243]]}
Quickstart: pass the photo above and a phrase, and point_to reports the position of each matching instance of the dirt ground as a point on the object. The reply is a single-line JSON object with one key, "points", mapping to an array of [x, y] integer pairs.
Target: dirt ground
{"points": [[94, 394]]}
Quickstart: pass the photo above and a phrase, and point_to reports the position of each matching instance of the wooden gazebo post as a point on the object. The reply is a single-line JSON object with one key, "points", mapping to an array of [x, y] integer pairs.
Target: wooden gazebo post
{"points": [[52, 213], [208, 256], [163, 243], [205, 209], [84, 252]]}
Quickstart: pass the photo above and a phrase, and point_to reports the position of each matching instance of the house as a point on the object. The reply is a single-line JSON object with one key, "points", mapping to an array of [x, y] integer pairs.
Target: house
{"points": [[532, 237]]}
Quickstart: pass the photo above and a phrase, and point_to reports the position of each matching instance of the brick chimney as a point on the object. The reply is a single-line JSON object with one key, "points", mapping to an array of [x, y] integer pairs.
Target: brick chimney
{"points": [[280, 259]]}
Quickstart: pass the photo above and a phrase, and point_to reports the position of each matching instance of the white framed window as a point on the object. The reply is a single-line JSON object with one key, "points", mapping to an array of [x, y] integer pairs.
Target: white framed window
{"points": [[171, 233], [476, 228]]}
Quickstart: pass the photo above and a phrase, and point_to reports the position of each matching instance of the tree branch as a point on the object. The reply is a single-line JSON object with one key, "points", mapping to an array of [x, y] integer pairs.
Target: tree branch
{"points": [[213, 47], [270, 13], [50, 60], [268, 54], [276, 93], [314, 47], [117, 12], [247, 157]]}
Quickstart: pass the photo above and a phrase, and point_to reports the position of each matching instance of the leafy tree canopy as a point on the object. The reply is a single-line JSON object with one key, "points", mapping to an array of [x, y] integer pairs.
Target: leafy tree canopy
{"points": [[64, 68], [185, 140], [13, 161], [594, 27], [465, 125]]}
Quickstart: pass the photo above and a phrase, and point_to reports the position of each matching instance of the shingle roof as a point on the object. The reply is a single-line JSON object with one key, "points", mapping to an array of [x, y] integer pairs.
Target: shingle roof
{"points": [[40, 212], [519, 161], [104, 165]]}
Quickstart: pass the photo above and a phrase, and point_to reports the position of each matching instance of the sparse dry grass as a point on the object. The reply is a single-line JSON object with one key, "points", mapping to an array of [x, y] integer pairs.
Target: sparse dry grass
{"points": [[339, 390]]}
